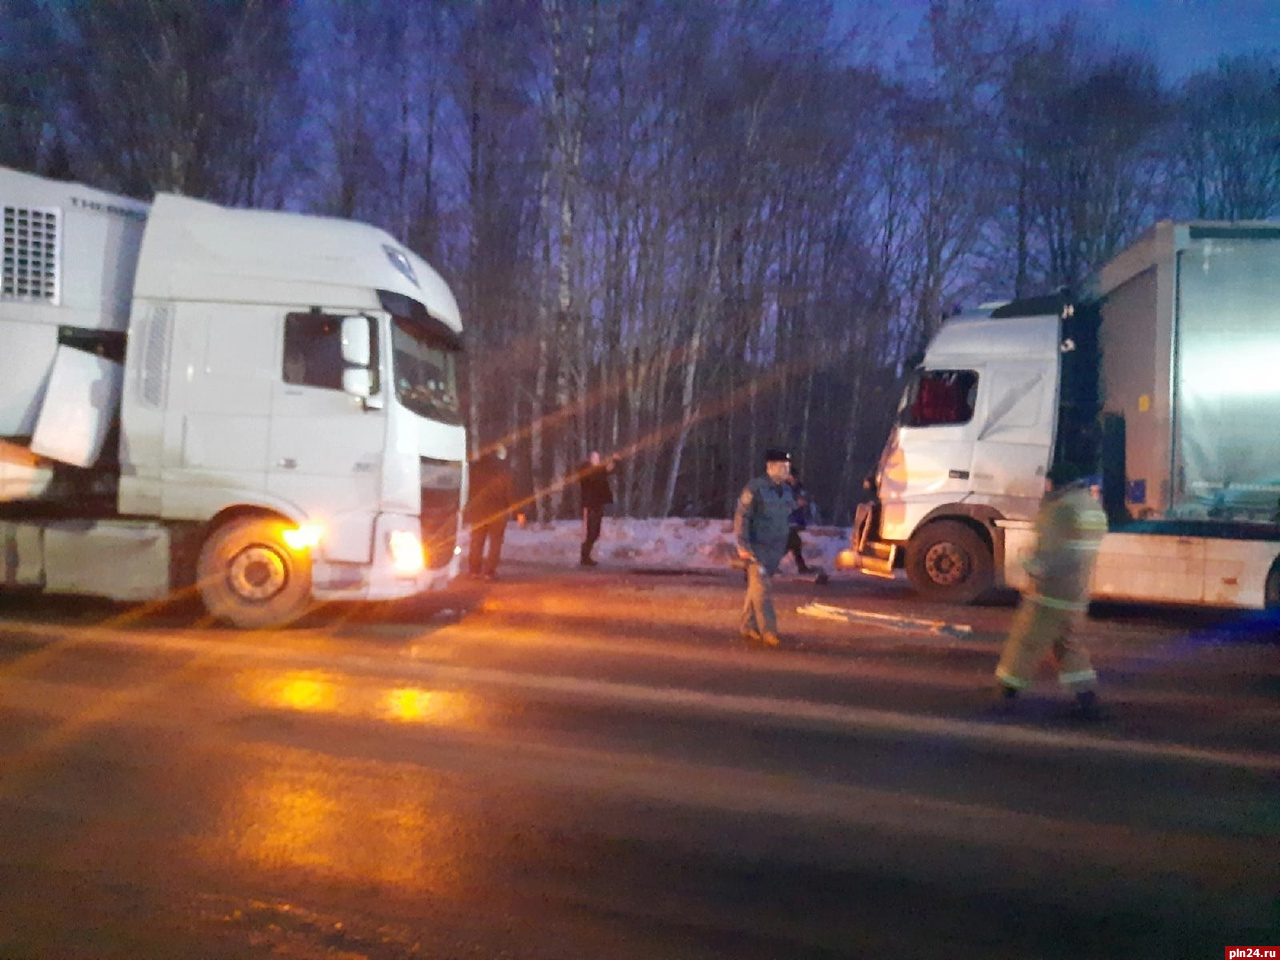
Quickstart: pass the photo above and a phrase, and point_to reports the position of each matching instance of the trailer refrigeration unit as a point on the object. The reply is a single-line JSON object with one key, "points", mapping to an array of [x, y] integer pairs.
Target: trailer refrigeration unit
{"points": [[1163, 378], [258, 404]]}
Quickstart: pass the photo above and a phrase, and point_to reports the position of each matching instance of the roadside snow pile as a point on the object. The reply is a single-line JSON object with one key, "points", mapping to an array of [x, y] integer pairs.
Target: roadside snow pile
{"points": [[674, 543]]}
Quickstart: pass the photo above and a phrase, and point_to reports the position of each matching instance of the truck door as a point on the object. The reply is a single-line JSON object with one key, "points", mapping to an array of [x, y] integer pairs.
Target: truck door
{"points": [[1015, 432], [326, 449], [929, 458]]}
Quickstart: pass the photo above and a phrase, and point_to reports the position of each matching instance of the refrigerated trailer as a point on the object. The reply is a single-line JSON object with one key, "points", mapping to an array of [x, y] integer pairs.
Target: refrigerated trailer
{"points": [[257, 404], [1161, 378]]}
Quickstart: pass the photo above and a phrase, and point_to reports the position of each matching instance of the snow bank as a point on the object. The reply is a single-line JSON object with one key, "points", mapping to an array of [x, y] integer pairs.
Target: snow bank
{"points": [[673, 543]]}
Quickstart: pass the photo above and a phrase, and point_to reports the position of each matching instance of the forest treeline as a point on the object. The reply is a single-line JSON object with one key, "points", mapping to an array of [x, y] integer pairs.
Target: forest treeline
{"points": [[679, 230]]}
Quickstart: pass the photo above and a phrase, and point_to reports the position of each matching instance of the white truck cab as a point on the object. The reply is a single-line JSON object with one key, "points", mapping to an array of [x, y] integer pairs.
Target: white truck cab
{"points": [[261, 404], [1159, 379]]}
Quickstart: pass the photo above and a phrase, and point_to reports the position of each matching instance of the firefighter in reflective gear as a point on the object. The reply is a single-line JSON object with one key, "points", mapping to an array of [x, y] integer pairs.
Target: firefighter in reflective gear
{"points": [[761, 524], [1069, 529]]}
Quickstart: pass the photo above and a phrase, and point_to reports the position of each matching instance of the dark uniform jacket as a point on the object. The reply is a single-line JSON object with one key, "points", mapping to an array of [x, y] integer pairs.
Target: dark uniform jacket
{"points": [[492, 491], [594, 485], [763, 520]]}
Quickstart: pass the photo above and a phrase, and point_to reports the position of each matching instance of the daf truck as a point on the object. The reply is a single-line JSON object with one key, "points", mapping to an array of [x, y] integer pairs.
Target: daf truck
{"points": [[258, 405], [1161, 378]]}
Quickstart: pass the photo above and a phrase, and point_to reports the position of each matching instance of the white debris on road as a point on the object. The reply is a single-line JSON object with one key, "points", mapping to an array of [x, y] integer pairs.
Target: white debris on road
{"points": [[824, 611]]}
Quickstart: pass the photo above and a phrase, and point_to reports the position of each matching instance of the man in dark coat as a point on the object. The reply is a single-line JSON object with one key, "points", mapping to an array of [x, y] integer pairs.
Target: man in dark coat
{"points": [[761, 524], [799, 520], [492, 495], [596, 494]]}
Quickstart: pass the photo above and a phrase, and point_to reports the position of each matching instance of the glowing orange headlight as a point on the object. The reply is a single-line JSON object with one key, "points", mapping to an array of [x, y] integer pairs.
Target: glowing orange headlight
{"points": [[407, 556], [305, 537]]}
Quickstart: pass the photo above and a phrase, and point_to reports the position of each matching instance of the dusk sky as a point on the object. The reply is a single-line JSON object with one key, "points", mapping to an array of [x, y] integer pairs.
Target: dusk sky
{"points": [[1185, 35]]}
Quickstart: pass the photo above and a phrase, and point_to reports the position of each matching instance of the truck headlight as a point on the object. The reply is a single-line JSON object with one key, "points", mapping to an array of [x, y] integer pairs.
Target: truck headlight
{"points": [[305, 537], [407, 556]]}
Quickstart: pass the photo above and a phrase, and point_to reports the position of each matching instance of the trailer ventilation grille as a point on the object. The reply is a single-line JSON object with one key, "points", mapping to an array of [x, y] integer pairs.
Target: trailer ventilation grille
{"points": [[30, 267]]}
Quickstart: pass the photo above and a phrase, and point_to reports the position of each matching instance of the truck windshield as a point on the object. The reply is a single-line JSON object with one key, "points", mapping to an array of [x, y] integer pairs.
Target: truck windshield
{"points": [[424, 370]]}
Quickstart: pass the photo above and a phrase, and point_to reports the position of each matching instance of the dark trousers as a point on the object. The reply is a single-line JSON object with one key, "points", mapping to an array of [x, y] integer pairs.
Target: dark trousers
{"points": [[591, 517], [493, 532], [795, 548]]}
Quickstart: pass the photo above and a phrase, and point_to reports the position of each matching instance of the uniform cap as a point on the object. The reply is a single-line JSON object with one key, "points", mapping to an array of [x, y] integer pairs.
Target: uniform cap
{"points": [[776, 455]]}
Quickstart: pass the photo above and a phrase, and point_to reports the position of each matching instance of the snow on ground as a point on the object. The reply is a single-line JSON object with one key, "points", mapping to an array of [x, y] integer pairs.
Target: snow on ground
{"points": [[675, 543]]}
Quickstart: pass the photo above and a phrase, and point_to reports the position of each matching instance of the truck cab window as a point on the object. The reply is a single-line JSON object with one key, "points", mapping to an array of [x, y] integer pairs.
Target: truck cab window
{"points": [[313, 350], [937, 397]]}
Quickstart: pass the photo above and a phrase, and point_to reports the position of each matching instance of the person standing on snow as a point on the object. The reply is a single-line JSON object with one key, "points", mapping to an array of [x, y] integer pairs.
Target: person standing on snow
{"points": [[1069, 529], [596, 494], [761, 525], [490, 497]]}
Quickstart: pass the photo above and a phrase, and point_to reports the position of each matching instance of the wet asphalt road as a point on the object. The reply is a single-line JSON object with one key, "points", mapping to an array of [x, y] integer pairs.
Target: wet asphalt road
{"points": [[588, 764]]}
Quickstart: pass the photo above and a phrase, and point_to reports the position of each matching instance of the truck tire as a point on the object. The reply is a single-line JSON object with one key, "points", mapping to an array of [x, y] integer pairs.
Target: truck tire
{"points": [[948, 560], [248, 577]]}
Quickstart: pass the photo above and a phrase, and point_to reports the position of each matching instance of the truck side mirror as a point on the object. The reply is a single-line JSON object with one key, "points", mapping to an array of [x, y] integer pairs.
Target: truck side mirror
{"points": [[356, 351], [357, 382], [357, 355]]}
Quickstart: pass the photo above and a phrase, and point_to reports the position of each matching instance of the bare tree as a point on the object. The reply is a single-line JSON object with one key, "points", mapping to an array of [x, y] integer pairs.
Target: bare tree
{"points": [[1228, 139], [159, 92], [1085, 125]]}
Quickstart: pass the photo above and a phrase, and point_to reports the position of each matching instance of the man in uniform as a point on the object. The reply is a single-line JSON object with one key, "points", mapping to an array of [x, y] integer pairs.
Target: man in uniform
{"points": [[761, 524], [1069, 528]]}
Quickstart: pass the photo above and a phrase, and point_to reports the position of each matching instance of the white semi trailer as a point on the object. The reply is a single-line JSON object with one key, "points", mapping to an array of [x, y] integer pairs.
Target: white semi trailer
{"points": [[259, 405], [1164, 376]]}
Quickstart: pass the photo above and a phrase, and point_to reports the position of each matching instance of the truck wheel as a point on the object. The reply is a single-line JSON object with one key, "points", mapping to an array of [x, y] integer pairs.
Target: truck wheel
{"points": [[948, 560], [249, 577]]}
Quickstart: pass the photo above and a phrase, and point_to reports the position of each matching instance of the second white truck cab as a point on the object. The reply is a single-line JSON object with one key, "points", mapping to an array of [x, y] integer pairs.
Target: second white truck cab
{"points": [[1160, 378]]}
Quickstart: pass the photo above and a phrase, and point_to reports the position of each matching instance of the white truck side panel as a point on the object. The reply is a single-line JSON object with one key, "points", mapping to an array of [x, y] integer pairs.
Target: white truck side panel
{"points": [[79, 405], [99, 235], [69, 256], [121, 560], [26, 355], [217, 423], [118, 559], [1153, 568]]}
